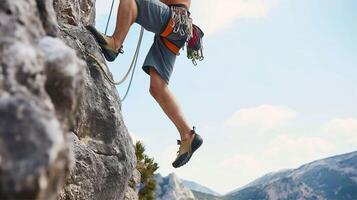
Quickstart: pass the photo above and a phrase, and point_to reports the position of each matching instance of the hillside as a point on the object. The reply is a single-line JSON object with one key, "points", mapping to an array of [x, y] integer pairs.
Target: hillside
{"points": [[332, 178], [199, 188]]}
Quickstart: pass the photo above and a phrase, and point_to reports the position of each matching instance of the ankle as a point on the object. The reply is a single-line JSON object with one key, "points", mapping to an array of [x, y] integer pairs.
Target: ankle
{"points": [[116, 43], [186, 137]]}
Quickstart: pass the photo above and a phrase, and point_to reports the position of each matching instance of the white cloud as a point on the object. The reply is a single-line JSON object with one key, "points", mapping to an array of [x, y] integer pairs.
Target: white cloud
{"points": [[348, 126], [261, 118], [283, 151], [215, 15], [342, 129], [212, 15], [281, 146], [295, 149], [242, 161]]}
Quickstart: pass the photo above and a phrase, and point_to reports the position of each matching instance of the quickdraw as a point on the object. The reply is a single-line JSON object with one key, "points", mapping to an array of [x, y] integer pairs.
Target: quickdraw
{"points": [[181, 23], [195, 45]]}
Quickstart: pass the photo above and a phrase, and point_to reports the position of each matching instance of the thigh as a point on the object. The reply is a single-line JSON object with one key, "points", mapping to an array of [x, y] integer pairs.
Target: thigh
{"points": [[161, 59], [153, 15], [155, 79]]}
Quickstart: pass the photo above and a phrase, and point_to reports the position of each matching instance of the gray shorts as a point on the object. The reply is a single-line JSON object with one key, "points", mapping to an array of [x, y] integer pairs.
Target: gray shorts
{"points": [[154, 15]]}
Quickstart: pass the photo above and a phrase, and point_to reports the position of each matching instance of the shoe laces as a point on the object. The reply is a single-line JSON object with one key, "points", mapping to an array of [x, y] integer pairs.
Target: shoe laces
{"points": [[180, 148], [179, 142]]}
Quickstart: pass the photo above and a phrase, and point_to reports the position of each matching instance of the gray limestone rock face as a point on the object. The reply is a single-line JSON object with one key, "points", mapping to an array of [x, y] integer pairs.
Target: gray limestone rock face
{"points": [[34, 155], [104, 154], [75, 12], [132, 193], [62, 135]]}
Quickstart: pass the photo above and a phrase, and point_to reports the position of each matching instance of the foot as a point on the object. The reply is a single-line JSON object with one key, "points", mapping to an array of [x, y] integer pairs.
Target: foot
{"points": [[187, 148], [107, 44]]}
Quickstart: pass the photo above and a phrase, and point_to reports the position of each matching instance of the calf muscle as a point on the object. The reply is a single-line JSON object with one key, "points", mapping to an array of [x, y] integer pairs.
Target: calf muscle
{"points": [[161, 93]]}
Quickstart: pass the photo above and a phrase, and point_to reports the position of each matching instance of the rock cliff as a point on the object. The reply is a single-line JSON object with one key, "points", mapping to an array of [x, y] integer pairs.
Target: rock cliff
{"points": [[62, 134]]}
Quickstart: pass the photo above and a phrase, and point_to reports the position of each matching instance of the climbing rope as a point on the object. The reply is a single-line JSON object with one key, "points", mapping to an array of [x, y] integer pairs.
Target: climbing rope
{"points": [[110, 15], [134, 62], [136, 55], [102, 66]]}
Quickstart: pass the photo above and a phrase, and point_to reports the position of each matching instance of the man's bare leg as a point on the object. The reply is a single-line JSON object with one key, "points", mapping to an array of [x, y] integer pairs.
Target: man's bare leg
{"points": [[161, 93], [127, 14]]}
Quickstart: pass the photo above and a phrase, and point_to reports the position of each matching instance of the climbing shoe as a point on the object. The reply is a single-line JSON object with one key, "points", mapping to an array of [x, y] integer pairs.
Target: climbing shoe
{"points": [[187, 148], [109, 53]]}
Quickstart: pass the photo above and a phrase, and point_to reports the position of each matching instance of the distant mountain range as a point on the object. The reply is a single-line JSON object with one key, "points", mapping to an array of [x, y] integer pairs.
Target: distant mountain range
{"points": [[199, 188], [333, 178], [171, 187]]}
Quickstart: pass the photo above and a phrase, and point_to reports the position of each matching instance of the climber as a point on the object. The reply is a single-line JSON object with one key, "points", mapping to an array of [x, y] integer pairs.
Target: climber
{"points": [[171, 22]]}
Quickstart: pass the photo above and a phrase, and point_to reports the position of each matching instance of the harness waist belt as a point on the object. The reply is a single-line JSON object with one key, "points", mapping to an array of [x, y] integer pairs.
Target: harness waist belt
{"points": [[180, 22], [169, 28]]}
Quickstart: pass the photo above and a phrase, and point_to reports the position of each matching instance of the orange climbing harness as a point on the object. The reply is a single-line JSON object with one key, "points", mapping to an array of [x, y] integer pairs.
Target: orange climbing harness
{"points": [[168, 30], [170, 45], [181, 23]]}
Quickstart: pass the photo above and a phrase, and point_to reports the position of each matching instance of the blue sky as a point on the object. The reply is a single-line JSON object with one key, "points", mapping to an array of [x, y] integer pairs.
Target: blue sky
{"points": [[277, 89]]}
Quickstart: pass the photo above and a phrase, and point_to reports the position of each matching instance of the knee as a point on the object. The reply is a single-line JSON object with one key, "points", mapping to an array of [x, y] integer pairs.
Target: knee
{"points": [[157, 85]]}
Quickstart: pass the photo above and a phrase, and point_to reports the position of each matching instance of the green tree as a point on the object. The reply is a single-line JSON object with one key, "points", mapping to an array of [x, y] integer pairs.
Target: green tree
{"points": [[147, 167]]}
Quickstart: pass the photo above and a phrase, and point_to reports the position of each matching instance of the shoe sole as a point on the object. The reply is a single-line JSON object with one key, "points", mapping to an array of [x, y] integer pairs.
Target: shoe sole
{"points": [[196, 143], [108, 53]]}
